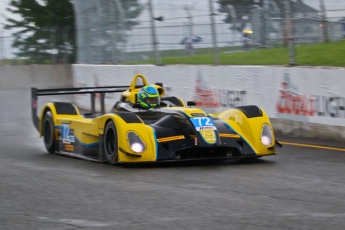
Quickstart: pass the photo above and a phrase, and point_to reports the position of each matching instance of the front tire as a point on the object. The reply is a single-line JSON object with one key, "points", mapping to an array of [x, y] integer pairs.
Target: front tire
{"points": [[48, 132], [110, 143]]}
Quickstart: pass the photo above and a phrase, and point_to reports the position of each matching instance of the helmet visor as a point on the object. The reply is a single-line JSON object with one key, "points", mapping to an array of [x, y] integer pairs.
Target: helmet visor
{"points": [[152, 100]]}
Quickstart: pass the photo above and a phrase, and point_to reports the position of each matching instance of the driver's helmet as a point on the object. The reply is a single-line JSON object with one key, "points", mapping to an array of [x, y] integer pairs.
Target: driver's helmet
{"points": [[148, 97]]}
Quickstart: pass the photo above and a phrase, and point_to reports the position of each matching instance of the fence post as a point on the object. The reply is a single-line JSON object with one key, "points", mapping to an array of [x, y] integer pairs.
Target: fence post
{"points": [[122, 17], [324, 21], [52, 44], [214, 38], [2, 47], [66, 44], [190, 39], [153, 34], [288, 20]]}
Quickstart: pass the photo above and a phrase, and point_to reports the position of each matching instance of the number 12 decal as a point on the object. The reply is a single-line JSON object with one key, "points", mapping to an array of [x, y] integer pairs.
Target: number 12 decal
{"points": [[203, 123], [206, 128]]}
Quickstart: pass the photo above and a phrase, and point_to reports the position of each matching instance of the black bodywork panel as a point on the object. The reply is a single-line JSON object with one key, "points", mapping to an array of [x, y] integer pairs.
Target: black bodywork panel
{"points": [[170, 123], [250, 110]]}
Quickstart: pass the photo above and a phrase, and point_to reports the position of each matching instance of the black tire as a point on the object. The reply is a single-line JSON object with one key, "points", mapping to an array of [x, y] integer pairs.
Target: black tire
{"points": [[110, 143], [48, 132]]}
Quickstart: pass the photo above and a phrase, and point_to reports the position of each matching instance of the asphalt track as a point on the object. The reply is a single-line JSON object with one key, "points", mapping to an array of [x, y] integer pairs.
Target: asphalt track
{"points": [[300, 188]]}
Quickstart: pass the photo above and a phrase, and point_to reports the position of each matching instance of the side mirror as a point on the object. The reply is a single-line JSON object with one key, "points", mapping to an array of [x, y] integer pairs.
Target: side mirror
{"points": [[191, 103]]}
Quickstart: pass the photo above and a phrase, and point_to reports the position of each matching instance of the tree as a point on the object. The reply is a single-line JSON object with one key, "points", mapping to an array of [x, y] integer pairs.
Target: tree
{"points": [[120, 17], [102, 27], [44, 32], [238, 12], [125, 15]]}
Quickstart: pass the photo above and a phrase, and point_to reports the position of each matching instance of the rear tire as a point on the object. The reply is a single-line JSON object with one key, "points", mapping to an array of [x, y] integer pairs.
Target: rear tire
{"points": [[48, 132], [110, 143]]}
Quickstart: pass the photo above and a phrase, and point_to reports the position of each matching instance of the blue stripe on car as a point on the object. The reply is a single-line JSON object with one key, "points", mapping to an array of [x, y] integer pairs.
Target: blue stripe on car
{"points": [[79, 142], [226, 124]]}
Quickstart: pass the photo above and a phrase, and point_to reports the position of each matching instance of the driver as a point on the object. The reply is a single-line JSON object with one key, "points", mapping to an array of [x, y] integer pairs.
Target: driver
{"points": [[148, 97]]}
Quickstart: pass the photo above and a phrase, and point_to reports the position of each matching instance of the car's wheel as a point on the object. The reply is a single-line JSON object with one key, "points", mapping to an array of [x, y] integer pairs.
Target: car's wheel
{"points": [[110, 143], [48, 132]]}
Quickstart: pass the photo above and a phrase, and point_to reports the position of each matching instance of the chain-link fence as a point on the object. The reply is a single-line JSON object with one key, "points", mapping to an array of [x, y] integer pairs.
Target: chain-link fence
{"points": [[58, 49], [116, 31]]}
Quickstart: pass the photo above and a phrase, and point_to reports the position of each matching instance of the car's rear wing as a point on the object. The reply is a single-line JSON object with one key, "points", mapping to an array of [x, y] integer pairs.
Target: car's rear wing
{"points": [[35, 93]]}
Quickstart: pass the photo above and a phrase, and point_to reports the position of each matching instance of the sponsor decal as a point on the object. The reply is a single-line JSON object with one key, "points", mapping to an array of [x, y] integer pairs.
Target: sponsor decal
{"points": [[291, 101], [69, 147], [67, 134], [172, 138], [209, 136], [201, 123], [229, 135], [206, 128], [216, 98], [208, 133]]}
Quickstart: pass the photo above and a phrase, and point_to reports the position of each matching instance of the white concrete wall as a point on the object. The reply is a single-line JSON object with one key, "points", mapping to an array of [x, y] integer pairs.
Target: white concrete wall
{"points": [[40, 76], [262, 86], [301, 101]]}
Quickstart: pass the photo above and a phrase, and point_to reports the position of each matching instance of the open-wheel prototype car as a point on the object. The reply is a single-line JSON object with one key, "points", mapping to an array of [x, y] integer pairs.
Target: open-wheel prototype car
{"points": [[129, 133]]}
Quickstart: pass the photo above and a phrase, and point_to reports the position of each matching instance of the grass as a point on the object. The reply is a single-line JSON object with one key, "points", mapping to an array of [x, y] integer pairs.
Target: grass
{"points": [[323, 54]]}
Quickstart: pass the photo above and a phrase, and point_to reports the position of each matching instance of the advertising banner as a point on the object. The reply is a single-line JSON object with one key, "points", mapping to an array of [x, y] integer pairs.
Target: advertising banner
{"points": [[311, 95]]}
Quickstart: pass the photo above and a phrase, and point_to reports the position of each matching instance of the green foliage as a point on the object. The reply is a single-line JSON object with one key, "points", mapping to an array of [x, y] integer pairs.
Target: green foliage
{"points": [[47, 27], [323, 54], [120, 19], [133, 9], [241, 8], [40, 27]]}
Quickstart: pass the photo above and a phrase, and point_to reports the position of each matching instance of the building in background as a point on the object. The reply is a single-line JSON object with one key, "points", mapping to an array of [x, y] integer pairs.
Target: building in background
{"points": [[268, 28]]}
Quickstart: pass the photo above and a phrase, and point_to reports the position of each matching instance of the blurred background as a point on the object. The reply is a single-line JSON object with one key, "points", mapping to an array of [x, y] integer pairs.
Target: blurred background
{"points": [[165, 32]]}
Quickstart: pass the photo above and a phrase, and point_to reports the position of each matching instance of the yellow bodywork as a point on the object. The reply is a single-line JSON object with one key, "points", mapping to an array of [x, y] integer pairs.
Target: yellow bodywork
{"points": [[130, 95], [87, 131], [249, 129]]}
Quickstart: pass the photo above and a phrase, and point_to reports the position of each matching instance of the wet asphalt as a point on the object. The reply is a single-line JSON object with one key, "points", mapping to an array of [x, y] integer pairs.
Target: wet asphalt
{"points": [[300, 188]]}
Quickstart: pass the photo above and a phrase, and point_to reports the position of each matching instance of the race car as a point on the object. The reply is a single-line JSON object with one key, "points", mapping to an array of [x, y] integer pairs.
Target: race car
{"points": [[129, 133]]}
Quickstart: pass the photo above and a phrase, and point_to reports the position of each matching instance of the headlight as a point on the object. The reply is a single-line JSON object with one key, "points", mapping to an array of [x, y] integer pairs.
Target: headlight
{"points": [[135, 142], [266, 135], [137, 147]]}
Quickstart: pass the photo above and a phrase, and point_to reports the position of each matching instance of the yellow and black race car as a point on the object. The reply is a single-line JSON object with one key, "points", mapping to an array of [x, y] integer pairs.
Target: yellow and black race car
{"points": [[172, 131]]}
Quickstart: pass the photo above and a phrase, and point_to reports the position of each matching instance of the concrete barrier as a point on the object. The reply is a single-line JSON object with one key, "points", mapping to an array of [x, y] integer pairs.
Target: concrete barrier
{"points": [[309, 130], [54, 76], [301, 101], [40, 76]]}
